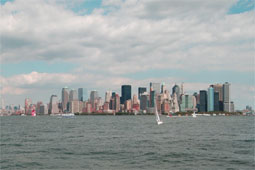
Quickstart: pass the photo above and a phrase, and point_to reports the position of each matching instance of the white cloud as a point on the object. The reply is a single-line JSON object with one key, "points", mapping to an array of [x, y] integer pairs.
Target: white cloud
{"points": [[124, 37]]}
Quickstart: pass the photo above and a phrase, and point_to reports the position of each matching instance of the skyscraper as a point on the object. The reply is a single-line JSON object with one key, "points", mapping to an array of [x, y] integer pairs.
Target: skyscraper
{"points": [[108, 96], [163, 87], [203, 101], [125, 93], [73, 96], [141, 90], [53, 106], [93, 98], [82, 94], [155, 87], [216, 101], [226, 96], [65, 98], [210, 99]]}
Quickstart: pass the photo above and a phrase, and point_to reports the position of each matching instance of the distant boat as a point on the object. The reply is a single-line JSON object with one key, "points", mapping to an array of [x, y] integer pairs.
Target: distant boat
{"points": [[194, 114], [33, 113], [157, 115], [68, 115]]}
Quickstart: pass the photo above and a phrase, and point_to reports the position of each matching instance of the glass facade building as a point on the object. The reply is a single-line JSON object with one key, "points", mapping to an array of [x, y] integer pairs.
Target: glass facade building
{"points": [[210, 99], [203, 101], [125, 93]]}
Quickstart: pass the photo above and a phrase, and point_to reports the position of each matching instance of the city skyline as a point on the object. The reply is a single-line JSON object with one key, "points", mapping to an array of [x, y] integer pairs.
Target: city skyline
{"points": [[101, 45]]}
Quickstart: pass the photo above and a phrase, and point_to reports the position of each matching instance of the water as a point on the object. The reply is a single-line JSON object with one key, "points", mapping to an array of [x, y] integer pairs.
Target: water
{"points": [[127, 142]]}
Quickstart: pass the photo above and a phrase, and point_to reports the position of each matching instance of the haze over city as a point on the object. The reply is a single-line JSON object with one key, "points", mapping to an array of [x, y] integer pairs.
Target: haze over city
{"points": [[101, 45]]}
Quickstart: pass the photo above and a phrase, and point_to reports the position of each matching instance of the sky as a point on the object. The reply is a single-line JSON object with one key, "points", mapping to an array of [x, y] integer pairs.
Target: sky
{"points": [[103, 44]]}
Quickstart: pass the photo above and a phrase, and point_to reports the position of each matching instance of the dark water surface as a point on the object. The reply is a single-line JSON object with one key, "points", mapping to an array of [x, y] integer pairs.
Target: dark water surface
{"points": [[127, 142]]}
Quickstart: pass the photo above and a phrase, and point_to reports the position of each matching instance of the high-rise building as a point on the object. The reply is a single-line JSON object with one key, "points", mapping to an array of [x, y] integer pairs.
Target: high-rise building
{"points": [[93, 98], [226, 96], [218, 88], [210, 99], [53, 105], [65, 98], [152, 98], [125, 93], [216, 101], [108, 96], [163, 87], [141, 90], [43, 109], [144, 101], [74, 106], [82, 94], [73, 96], [176, 90], [188, 103], [203, 101], [155, 87], [28, 102]]}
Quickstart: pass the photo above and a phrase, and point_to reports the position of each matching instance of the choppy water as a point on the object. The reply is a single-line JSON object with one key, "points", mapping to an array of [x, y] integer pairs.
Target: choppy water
{"points": [[127, 142]]}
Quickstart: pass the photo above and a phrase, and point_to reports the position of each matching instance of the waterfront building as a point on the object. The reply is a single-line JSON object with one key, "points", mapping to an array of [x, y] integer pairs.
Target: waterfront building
{"points": [[216, 102], [219, 88], [93, 98], [152, 98], [175, 105], [53, 105], [43, 109], [229, 107], [28, 102], [141, 90], [210, 99], [203, 101], [125, 93], [226, 96], [108, 95], [144, 101], [176, 90], [73, 96], [156, 87], [163, 87], [128, 105], [65, 98], [188, 103], [74, 106], [38, 106], [82, 94], [117, 102]]}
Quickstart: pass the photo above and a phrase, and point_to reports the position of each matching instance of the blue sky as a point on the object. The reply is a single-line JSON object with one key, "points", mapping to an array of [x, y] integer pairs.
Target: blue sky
{"points": [[121, 42]]}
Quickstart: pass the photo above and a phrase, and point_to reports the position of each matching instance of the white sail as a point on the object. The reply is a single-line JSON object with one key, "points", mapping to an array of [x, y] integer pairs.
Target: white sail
{"points": [[157, 115]]}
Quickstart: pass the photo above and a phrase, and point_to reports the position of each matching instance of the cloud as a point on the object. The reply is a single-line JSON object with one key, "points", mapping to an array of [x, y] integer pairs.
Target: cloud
{"points": [[124, 37]]}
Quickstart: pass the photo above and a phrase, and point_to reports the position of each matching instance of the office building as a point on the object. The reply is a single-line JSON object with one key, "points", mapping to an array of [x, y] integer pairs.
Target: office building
{"points": [[73, 96], [155, 87], [216, 102], [65, 98], [82, 94], [226, 97], [203, 101], [53, 105], [210, 99], [141, 90], [125, 93]]}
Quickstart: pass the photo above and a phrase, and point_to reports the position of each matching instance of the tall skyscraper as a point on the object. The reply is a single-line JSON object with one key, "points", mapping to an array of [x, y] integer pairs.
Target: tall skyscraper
{"points": [[210, 99], [141, 90], [163, 87], [53, 105], [144, 101], [73, 96], [65, 98], [108, 96], [203, 101], [93, 98], [125, 93], [82, 94], [155, 87], [216, 101], [219, 88], [226, 96]]}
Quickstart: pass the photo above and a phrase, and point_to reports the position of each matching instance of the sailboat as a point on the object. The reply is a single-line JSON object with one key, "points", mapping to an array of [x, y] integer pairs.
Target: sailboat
{"points": [[194, 114], [157, 115]]}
